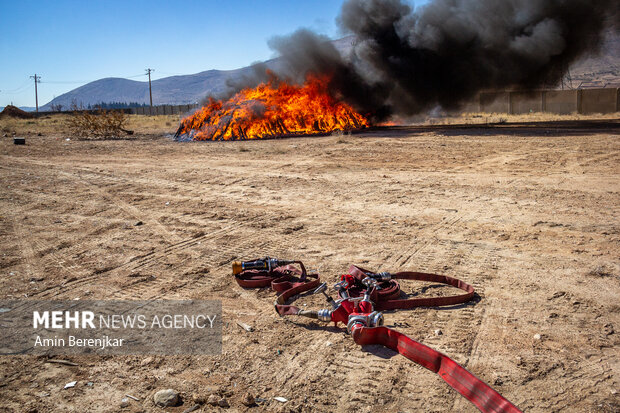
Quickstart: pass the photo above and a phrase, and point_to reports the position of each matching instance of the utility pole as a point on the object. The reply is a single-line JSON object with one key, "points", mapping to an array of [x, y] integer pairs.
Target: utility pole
{"points": [[37, 79], [148, 71]]}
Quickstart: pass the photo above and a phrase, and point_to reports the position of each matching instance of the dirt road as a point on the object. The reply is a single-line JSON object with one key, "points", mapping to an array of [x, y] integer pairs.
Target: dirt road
{"points": [[532, 220]]}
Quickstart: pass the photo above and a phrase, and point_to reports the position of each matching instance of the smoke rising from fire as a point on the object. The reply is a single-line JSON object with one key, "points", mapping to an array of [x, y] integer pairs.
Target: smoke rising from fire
{"points": [[404, 62]]}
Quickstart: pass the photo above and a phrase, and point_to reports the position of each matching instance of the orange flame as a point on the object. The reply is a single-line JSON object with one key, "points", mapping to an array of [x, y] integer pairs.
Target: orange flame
{"points": [[271, 110]]}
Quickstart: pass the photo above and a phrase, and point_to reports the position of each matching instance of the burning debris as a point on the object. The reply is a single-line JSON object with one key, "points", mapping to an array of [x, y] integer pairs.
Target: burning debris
{"points": [[272, 109]]}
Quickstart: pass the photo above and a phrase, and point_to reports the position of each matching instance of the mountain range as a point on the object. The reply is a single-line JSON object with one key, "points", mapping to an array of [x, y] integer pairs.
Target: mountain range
{"points": [[173, 90], [596, 71]]}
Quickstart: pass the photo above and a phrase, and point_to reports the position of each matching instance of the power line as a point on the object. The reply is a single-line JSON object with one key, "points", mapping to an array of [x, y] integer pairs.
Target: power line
{"points": [[66, 81], [131, 77], [18, 92], [19, 89]]}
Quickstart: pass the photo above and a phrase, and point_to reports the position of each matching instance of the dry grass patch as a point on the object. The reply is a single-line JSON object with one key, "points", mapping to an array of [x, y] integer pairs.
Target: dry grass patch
{"points": [[153, 125], [45, 125], [60, 124]]}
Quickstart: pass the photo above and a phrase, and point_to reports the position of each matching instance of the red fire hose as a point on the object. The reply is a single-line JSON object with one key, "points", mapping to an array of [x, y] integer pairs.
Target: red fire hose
{"points": [[387, 293], [471, 387], [282, 276], [360, 292]]}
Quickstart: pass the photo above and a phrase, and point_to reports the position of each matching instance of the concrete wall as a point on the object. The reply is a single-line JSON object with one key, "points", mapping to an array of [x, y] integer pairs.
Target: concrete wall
{"points": [[164, 110], [552, 101], [562, 102], [526, 102], [598, 101]]}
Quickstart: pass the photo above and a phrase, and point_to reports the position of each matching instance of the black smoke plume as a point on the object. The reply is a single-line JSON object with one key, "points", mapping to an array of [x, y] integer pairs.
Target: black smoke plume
{"points": [[404, 62]]}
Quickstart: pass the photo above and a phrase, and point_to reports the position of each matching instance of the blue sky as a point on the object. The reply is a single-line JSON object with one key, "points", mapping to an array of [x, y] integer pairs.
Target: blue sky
{"points": [[70, 43]]}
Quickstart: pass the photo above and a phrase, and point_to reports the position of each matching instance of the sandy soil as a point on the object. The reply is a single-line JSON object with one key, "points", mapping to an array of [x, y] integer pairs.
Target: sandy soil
{"points": [[529, 216]]}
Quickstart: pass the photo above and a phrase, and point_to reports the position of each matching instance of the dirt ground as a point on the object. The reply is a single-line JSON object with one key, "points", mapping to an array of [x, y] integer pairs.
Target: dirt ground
{"points": [[529, 215]]}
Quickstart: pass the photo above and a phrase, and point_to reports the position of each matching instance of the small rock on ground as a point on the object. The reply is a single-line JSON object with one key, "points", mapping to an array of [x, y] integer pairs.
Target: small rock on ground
{"points": [[213, 399], [166, 398], [199, 399], [248, 400]]}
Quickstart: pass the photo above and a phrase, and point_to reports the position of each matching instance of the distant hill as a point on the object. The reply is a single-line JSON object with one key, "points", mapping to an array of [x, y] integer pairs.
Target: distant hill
{"points": [[598, 71], [173, 90]]}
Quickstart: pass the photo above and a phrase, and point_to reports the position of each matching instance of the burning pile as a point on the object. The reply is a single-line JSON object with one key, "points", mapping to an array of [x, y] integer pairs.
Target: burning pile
{"points": [[273, 109]]}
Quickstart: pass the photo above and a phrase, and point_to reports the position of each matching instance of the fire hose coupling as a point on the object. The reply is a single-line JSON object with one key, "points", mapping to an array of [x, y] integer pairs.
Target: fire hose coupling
{"points": [[374, 319], [324, 315], [321, 315], [263, 264], [383, 276], [370, 283], [380, 276]]}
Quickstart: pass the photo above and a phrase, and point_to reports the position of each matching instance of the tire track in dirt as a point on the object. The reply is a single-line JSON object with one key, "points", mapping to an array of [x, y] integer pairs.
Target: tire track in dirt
{"points": [[152, 287], [129, 209], [48, 254], [473, 321], [75, 282], [136, 263], [497, 161], [221, 178], [38, 255], [358, 371], [458, 324], [400, 259], [145, 260], [460, 320], [582, 382], [136, 213], [28, 253], [608, 158]]}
